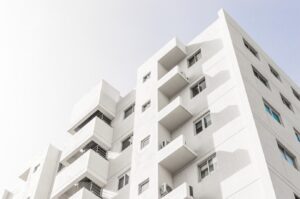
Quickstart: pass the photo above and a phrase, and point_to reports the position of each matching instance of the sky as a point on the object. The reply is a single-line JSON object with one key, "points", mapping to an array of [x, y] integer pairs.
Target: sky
{"points": [[52, 52]]}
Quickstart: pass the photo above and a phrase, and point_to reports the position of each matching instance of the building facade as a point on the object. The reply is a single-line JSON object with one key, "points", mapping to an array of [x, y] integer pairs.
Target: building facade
{"points": [[212, 119]]}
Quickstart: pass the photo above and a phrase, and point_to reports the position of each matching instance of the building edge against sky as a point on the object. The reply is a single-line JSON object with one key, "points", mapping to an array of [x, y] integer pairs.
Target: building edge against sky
{"points": [[215, 118]]}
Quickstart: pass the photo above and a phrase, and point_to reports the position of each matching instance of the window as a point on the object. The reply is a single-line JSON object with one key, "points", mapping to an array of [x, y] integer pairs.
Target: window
{"points": [[146, 77], [288, 156], [194, 58], [286, 102], [127, 142], [270, 110], [98, 114], [143, 186], [123, 181], [146, 106], [198, 87], [145, 142], [203, 122], [297, 133], [274, 72], [296, 197], [296, 94], [259, 76], [36, 168], [129, 111], [207, 167], [250, 48]]}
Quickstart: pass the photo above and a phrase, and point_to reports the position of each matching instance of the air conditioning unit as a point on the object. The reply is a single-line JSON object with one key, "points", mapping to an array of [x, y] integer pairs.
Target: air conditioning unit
{"points": [[165, 189], [164, 143]]}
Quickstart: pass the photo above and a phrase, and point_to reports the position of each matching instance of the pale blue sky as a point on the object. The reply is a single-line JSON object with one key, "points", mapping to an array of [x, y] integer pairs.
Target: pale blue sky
{"points": [[52, 52]]}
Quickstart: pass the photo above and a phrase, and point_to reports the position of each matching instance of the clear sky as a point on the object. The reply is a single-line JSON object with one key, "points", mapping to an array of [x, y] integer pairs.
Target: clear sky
{"points": [[52, 52]]}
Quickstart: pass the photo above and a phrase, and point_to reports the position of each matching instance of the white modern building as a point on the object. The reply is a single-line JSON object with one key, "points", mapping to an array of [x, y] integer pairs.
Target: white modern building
{"points": [[212, 119]]}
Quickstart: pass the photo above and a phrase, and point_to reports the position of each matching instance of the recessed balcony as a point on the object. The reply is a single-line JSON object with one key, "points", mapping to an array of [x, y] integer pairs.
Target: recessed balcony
{"points": [[96, 130], [184, 191], [90, 165], [174, 115], [176, 154], [172, 82], [173, 52], [83, 193]]}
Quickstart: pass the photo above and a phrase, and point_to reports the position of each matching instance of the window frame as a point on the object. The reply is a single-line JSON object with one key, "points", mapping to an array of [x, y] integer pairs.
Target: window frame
{"points": [[201, 81], [271, 110], [130, 109], [142, 184], [274, 72], [286, 153], [205, 163], [126, 177], [204, 122], [129, 137], [146, 77], [146, 105], [194, 57], [145, 142], [286, 102], [261, 77], [251, 48]]}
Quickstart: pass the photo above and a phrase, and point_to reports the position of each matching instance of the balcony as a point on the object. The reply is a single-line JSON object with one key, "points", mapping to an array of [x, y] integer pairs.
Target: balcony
{"points": [[103, 98], [174, 114], [96, 130], [85, 189], [83, 193], [173, 82], [184, 191], [173, 52], [176, 155], [90, 165]]}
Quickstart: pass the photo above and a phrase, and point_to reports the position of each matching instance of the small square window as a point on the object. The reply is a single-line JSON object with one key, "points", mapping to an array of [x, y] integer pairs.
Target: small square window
{"points": [[259, 76], [198, 87], [203, 122], [145, 142], [146, 105], [272, 112], [250, 48], [288, 156], [143, 186], [286, 102], [146, 77], [129, 111], [36, 168], [127, 142], [123, 180], [274, 72], [296, 94], [207, 167], [194, 58]]}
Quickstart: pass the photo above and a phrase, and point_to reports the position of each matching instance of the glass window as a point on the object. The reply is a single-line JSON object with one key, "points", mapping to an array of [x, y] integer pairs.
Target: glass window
{"points": [[274, 72], [127, 142], [288, 156], [207, 167], [145, 142], [250, 48], [194, 58], [286, 102], [259, 76], [143, 186], [123, 181], [203, 122], [36, 168], [129, 111], [198, 87], [271, 111], [146, 106]]}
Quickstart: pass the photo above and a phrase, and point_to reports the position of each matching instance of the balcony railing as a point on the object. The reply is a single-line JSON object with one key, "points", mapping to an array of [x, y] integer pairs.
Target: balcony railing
{"points": [[184, 191]]}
